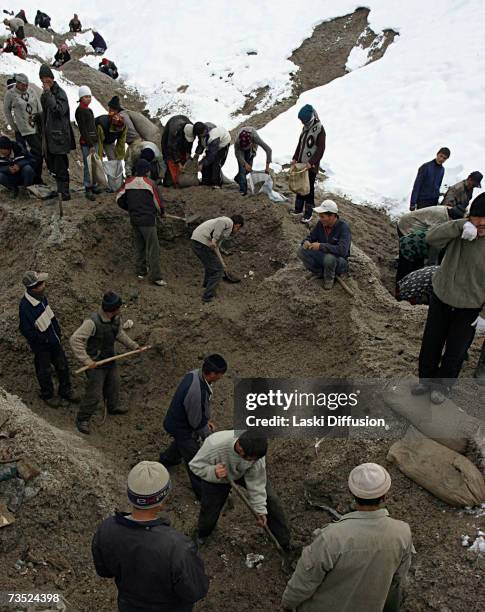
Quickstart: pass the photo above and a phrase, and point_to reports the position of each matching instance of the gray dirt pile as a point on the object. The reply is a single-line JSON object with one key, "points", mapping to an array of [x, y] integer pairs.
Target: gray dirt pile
{"points": [[276, 323]]}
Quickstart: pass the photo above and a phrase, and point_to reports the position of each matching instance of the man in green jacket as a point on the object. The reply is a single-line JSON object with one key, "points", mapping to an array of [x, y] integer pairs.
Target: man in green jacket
{"points": [[457, 300], [359, 563]]}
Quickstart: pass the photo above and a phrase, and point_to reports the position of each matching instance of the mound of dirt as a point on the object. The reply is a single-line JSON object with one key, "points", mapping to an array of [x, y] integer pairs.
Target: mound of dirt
{"points": [[276, 322]]}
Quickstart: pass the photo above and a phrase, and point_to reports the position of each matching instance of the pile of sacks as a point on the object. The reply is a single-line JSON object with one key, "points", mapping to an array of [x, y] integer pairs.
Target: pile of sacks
{"points": [[432, 452]]}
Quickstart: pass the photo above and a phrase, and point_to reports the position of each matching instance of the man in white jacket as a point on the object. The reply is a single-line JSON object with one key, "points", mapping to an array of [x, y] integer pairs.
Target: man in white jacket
{"points": [[223, 458], [215, 141]]}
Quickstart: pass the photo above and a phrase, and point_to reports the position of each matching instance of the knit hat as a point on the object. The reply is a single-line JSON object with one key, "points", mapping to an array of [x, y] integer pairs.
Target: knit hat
{"points": [[199, 128], [327, 206], [111, 301], [31, 278], [10, 82], [21, 78], [189, 132], [369, 481], [245, 139], [105, 61], [477, 209], [306, 113], [45, 71], [114, 103], [5, 143], [147, 154], [142, 167], [148, 484], [84, 91]]}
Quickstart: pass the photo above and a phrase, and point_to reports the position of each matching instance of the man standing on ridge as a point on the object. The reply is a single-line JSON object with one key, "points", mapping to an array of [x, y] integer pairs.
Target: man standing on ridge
{"points": [[426, 188]]}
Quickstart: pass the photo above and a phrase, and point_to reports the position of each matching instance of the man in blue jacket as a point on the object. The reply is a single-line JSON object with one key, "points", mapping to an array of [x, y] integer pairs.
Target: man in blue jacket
{"points": [[16, 166], [41, 329], [426, 188], [326, 250], [188, 417]]}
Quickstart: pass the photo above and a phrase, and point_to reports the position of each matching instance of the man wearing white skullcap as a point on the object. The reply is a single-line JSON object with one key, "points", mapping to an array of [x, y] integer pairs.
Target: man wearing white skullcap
{"points": [[361, 561], [155, 567]]}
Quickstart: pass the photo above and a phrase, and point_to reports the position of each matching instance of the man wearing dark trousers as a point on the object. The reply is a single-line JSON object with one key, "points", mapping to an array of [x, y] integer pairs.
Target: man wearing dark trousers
{"points": [[43, 333], [206, 240], [426, 188], [224, 458], [458, 297], [309, 151], [57, 131], [93, 342], [188, 417]]}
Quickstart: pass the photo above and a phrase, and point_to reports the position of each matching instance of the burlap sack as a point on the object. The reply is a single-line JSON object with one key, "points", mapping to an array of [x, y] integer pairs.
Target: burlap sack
{"points": [[298, 181], [188, 177], [443, 472], [445, 423], [98, 175], [144, 127]]}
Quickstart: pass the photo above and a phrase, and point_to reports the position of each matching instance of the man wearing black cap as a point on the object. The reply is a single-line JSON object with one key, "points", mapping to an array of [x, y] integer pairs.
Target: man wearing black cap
{"points": [[459, 195], [140, 198], [188, 418], [156, 568], [43, 333], [58, 134], [455, 305], [93, 342], [16, 167]]}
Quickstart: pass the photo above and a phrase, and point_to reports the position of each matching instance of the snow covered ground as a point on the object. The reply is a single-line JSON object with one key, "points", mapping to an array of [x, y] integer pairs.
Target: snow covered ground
{"points": [[382, 120]]}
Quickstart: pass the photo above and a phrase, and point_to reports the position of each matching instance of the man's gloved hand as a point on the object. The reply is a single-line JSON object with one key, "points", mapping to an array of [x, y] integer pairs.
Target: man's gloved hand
{"points": [[479, 324], [469, 231]]}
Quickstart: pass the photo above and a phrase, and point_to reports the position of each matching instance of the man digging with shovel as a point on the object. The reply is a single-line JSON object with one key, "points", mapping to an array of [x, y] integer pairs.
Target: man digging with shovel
{"points": [[206, 239], [92, 343]]}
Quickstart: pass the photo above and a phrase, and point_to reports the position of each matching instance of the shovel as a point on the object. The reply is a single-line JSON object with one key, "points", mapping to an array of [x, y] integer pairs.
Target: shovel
{"points": [[286, 559], [228, 276]]}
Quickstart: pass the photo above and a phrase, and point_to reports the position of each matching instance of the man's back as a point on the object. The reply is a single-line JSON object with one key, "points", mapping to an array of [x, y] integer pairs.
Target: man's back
{"points": [[351, 564], [156, 568]]}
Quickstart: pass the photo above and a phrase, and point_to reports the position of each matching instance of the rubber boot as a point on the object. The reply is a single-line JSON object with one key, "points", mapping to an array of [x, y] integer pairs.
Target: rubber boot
{"points": [[90, 195]]}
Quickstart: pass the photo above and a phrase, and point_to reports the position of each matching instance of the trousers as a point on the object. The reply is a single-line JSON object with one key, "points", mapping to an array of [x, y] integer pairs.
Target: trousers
{"points": [[44, 360], [450, 329], [147, 251], [183, 449], [58, 165], [213, 498], [307, 201], [212, 174], [213, 270], [101, 383], [324, 265]]}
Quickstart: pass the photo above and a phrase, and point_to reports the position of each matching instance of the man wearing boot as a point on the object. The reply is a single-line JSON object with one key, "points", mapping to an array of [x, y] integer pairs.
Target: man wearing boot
{"points": [[455, 305], [43, 333], [57, 130], [188, 417], [93, 342]]}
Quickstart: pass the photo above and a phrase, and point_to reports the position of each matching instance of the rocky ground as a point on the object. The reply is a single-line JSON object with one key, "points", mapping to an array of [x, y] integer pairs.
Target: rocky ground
{"points": [[275, 323]]}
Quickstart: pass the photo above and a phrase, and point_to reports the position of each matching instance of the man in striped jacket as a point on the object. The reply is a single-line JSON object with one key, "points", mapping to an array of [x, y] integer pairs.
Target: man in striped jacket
{"points": [[140, 198], [43, 333]]}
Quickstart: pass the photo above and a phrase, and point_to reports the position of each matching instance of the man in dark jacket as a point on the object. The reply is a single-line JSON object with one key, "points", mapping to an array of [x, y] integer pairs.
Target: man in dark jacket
{"points": [[156, 568], [309, 151], [177, 144], [75, 25], [41, 329], [93, 342], [326, 250], [62, 56], [16, 166], [426, 188], [140, 198], [112, 134], [245, 148], [42, 20], [188, 416], [58, 134], [215, 141], [98, 43], [88, 139], [459, 195]]}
